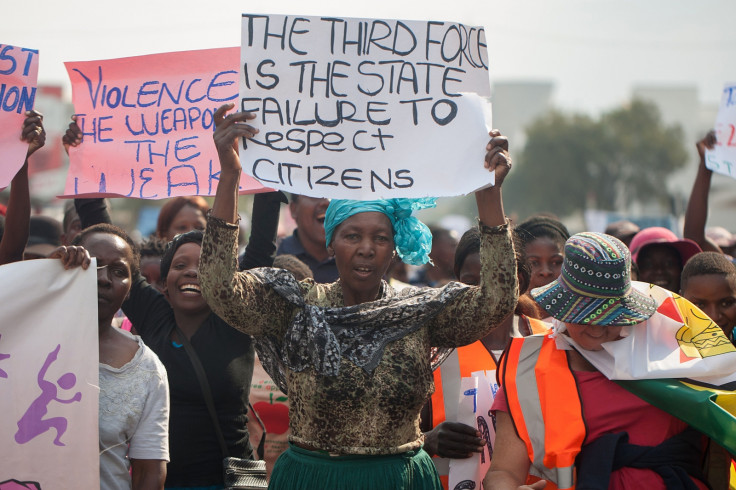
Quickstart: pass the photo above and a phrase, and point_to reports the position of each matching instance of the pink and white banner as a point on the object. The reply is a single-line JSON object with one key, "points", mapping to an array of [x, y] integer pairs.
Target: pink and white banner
{"points": [[48, 377]]}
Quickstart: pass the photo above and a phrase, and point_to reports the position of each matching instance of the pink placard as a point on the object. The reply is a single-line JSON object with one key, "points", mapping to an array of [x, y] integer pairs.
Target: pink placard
{"points": [[147, 123], [18, 75]]}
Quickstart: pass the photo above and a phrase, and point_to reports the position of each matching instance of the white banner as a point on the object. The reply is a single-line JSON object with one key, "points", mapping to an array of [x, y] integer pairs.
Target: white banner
{"points": [[365, 108], [722, 158], [48, 377]]}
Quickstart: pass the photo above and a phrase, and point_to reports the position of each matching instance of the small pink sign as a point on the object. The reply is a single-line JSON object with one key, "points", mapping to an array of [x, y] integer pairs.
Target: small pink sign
{"points": [[18, 76]]}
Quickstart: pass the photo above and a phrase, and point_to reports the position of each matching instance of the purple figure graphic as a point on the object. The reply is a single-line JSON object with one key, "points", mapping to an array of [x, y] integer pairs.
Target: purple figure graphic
{"points": [[32, 423], [3, 374]]}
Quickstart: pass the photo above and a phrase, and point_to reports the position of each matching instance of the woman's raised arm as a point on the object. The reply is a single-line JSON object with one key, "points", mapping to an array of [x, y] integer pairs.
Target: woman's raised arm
{"points": [[239, 298], [490, 204], [482, 307], [229, 130]]}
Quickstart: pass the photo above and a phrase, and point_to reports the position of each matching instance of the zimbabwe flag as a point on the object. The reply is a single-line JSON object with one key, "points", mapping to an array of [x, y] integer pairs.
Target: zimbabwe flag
{"points": [[710, 410]]}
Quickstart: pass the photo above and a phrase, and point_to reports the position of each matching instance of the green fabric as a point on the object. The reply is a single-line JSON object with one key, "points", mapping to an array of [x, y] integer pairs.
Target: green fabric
{"points": [[300, 469], [712, 411]]}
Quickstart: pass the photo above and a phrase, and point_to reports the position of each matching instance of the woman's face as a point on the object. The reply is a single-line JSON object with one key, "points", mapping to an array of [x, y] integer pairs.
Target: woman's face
{"points": [[716, 296], [544, 256], [114, 276], [182, 284], [660, 264], [591, 337], [470, 271], [363, 246], [187, 219]]}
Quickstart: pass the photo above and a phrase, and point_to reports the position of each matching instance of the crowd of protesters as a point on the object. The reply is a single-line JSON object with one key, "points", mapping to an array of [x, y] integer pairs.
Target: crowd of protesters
{"points": [[367, 357]]}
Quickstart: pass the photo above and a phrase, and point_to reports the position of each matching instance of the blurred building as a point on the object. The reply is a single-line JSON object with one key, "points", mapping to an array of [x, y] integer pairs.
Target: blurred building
{"points": [[516, 104]]}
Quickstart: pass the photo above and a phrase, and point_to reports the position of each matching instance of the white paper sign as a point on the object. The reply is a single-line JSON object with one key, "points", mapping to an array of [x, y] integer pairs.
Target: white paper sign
{"points": [[474, 409], [48, 377], [722, 158], [365, 108]]}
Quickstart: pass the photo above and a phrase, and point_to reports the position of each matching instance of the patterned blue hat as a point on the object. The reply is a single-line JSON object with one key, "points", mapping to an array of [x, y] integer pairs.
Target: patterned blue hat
{"points": [[594, 287]]}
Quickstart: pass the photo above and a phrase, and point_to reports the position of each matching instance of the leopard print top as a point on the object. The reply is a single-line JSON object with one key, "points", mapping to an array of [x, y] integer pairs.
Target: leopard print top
{"points": [[358, 411]]}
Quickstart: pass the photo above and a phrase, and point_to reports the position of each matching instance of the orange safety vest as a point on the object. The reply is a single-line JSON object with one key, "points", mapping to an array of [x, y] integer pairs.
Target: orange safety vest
{"points": [[545, 407], [461, 363], [464, 361]]}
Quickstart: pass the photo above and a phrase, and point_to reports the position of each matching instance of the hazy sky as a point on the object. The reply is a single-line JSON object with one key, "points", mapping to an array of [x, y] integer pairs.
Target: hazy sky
{"points": [[594, 50]]}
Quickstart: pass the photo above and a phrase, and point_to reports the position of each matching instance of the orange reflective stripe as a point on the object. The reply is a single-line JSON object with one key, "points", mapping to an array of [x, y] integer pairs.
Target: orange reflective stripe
{"points": [[545, 406], [563, 420], [508, 382]]}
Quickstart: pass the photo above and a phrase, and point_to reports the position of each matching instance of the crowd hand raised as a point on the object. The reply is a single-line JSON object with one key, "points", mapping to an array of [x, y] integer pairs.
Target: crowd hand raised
{"points": [[497, 155], [33, 131], [706, 143], [453, 440], [73, 135], [228, 129], [72, 256]]}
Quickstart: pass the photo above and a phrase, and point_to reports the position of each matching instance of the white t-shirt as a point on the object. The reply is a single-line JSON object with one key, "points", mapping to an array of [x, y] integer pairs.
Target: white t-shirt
{"points": [[133, 416]]}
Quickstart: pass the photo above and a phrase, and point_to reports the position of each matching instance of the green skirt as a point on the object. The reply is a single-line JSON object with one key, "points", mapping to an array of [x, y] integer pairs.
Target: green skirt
{"points": [[301, 469]]}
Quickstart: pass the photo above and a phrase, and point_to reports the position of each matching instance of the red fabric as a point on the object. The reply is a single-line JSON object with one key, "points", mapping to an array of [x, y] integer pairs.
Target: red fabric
{"points": [[608, 409]]}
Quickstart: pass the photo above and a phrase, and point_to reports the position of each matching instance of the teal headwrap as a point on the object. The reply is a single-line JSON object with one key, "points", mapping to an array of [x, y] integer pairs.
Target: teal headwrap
{"points": [[412, 238]]}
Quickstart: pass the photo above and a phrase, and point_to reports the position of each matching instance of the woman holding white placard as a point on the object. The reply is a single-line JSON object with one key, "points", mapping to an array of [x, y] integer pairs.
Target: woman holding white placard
{"points": [[354, 355]]}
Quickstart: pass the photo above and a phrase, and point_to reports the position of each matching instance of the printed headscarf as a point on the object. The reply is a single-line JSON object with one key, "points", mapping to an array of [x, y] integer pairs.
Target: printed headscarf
{"points": [[412, 238]]}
